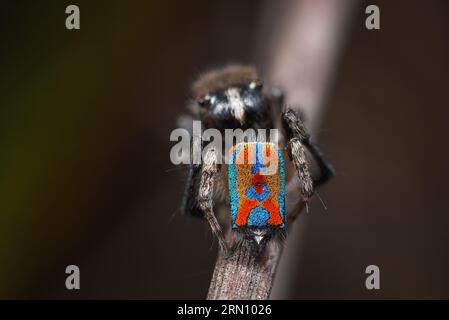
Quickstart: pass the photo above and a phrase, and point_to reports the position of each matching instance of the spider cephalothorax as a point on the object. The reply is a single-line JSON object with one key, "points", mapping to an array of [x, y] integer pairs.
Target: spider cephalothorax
{"points": [[234, 98]]}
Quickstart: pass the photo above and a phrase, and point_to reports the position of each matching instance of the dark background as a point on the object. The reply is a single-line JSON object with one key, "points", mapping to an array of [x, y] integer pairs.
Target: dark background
{"points": [[85, 174]]}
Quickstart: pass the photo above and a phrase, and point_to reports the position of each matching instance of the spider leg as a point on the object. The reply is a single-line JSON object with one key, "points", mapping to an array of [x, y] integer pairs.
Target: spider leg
{"points": [[298, 156], [298, 140], [189, 205], [327, 170], [205, 196]]}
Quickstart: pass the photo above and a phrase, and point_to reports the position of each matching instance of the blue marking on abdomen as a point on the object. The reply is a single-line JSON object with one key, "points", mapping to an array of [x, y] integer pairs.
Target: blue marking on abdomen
{"points": [[258, 217]]}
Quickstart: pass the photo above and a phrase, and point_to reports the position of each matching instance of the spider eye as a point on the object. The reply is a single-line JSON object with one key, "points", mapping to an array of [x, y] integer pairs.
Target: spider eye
{"points": [[255, 85], [252, 97], [204, 101]]}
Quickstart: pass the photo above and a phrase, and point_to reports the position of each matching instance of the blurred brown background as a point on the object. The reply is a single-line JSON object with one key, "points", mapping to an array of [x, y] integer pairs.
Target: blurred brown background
{"points": [[85, 175]]}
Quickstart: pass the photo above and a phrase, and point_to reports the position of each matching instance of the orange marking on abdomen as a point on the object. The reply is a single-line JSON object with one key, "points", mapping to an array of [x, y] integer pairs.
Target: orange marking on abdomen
{"points": [[273, 208], [244, 210]]}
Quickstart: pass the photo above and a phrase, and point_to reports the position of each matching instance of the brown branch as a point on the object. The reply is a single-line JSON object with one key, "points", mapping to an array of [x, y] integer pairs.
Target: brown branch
{"points": [[302, 60], [243, 276]]}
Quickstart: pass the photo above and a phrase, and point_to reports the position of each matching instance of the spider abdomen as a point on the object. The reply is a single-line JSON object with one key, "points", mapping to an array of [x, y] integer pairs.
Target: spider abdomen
{"points": [[256, 186]]}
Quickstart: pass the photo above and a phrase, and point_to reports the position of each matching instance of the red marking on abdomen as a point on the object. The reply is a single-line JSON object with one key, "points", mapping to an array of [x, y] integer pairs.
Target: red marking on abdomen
{"points": [[257, 181], [244, 210], [273, 208]]}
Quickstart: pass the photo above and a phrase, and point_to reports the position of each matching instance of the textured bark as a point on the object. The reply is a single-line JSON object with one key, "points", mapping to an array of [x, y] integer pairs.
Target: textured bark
{"points": [[243, 276]]}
